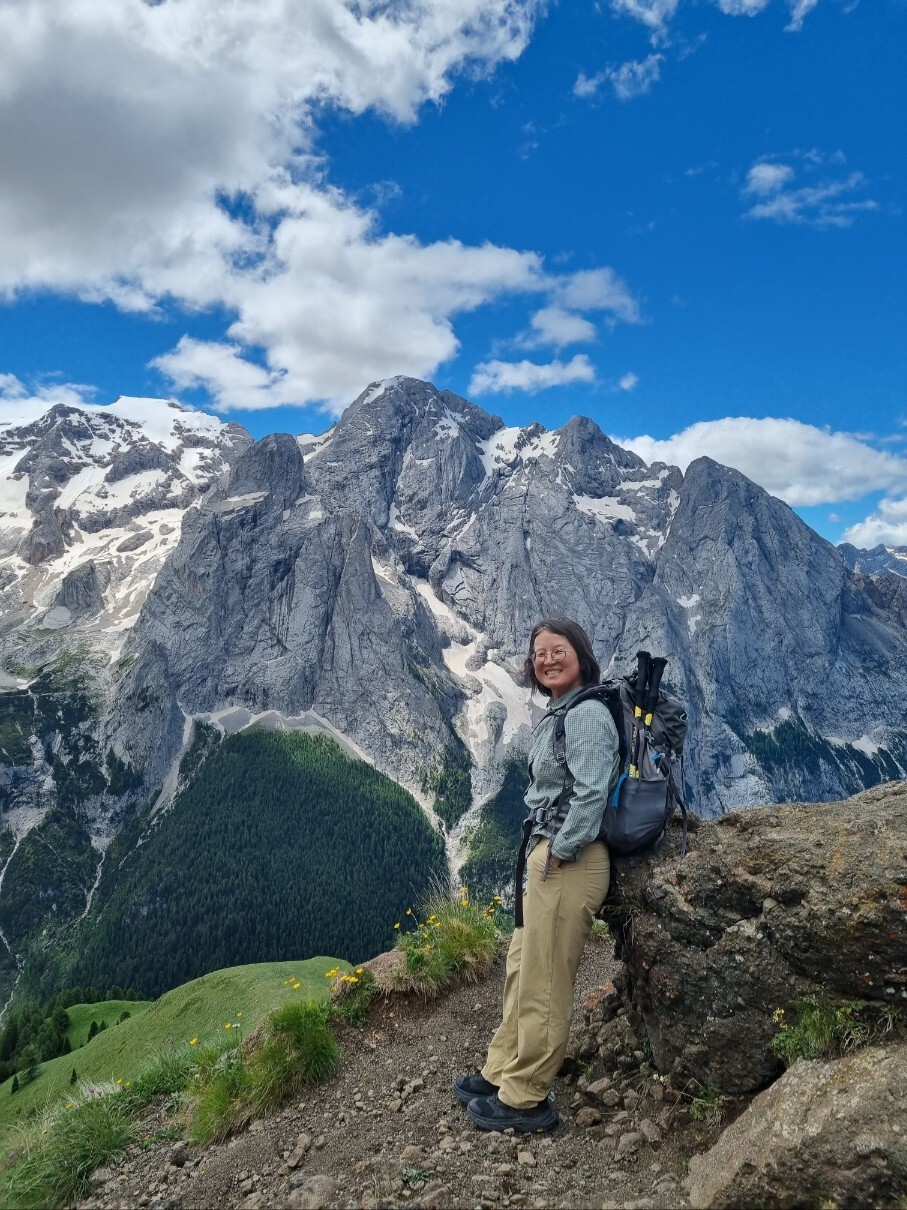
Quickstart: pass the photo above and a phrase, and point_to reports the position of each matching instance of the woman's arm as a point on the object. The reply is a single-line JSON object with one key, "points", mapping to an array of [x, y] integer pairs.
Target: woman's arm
{"points": [[592, 758]]}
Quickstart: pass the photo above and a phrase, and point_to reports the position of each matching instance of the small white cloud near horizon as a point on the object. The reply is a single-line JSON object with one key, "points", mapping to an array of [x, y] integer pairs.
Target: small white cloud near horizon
{"points": [[19, 405], [497, 377], [830, 202], [887, 526], [800, 463], [628, 382]]}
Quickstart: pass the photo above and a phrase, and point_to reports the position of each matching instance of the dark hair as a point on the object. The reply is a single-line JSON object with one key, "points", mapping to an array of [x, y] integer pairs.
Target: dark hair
{"points": [[578, 640]]}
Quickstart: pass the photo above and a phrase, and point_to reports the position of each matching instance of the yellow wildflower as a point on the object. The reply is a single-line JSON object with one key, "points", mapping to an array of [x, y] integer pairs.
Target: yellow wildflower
{"points": [[229, 1025], [193, 1041], [397, 925], [296, 987], [239, 1014]]}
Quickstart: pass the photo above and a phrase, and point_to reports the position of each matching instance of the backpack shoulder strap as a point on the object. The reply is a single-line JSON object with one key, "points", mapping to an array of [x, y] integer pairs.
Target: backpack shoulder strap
{"points": [[608, 693]]}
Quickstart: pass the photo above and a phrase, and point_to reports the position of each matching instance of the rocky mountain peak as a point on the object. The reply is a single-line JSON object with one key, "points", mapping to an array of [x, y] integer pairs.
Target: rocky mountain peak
{"points": [[879, 560], [272, 466], [104, 489]]}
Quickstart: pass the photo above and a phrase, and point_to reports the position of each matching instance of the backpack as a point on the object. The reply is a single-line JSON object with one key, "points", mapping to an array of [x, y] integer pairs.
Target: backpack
{"points": [[650, 735]]}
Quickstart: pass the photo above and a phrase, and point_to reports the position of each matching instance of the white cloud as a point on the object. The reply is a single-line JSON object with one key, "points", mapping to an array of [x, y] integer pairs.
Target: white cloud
{"points": [[654, 14], [493, 377], [19, 405], [743, 8], [798, 12], [632, 79], [232, 381], [888, 526], [802, 464], [766, 177], [597, 290], [555, 326], [587, 86], [831, 202], [629, 382], [629, 80], [155, 152]]}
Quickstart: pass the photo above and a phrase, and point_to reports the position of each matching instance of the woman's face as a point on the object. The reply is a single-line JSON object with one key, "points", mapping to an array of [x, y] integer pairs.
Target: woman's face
{"points": [[555, 662]]}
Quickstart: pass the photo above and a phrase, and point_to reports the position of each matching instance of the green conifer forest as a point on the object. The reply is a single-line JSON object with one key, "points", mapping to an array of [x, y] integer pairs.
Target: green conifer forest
{"points": [[280, 847]]}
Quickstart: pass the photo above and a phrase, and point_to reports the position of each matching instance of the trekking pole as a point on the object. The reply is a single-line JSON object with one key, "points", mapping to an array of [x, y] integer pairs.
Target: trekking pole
{"points": [[656, 669], [642, 678]]}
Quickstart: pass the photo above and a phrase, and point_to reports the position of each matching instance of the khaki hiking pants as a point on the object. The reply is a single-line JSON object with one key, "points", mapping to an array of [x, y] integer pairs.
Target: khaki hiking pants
{"points": [[528, 1049]]}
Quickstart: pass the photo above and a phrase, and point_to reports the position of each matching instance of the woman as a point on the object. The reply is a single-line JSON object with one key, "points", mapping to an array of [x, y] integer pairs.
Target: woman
{"points": [[568, 871]]}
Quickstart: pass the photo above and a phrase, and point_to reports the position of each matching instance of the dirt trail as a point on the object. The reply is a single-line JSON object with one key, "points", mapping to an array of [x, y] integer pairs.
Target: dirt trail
{"points": [[361, 1147]]}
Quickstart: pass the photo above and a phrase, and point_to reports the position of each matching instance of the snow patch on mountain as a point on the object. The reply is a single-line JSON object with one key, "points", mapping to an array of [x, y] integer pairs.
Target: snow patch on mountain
{"points": [[606, 508]]}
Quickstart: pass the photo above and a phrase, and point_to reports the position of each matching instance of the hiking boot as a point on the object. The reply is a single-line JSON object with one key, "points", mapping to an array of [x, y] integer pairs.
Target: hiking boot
{"points": [[490, 1113], [467, 1088]]}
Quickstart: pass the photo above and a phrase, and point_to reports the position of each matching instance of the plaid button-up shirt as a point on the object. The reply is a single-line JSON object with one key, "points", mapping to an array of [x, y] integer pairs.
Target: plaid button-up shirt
{"points": [[593, 760]]}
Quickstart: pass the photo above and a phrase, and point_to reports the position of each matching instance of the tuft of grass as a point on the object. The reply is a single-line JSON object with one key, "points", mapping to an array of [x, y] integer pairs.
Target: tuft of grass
{"points": [[601, 932], [823, 1030], [298, 1048], [706, 1106], [351, 995], [54, 1158], [169, 1073], [455, 942], [221, 1103]]}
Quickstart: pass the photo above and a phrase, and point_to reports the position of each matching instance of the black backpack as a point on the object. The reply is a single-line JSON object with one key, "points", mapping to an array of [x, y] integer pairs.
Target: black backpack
{"points": [[651, 727]]}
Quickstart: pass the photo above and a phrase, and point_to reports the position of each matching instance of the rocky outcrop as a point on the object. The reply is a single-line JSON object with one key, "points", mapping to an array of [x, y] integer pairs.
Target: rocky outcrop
{"points": [[772, 904], [82, 590], [826, 1133]]}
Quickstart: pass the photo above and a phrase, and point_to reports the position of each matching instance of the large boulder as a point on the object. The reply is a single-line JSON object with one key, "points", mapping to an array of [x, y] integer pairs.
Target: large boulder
{"points": [[772, 904], [826, 1133]]}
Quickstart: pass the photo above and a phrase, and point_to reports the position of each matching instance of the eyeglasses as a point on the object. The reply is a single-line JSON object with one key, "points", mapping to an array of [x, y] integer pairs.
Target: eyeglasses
{"points": [[539, 657]]}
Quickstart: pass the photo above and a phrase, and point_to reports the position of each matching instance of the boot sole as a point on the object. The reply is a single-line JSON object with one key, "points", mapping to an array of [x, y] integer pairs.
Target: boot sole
{"points": [[527, 1125]]}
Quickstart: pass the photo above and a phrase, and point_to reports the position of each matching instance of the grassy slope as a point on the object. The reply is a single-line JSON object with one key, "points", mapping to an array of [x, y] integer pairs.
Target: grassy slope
{"points": [[199, 1009], [82, 1015]]}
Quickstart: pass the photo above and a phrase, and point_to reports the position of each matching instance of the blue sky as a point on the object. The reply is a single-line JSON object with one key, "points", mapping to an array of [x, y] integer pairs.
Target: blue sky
{"points": [[682, 219]]}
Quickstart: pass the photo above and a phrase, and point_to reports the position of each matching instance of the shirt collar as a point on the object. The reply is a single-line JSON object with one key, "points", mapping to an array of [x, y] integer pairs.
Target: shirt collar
{"points": [[566, 700]]}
